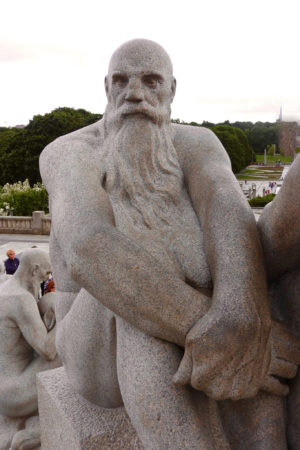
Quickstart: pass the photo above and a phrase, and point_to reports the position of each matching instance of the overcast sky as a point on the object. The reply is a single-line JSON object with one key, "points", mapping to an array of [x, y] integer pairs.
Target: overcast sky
{"points": [[233, 59]]}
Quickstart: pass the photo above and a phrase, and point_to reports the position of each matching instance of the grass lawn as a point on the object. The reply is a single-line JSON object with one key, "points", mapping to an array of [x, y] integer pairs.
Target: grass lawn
{"points": [[271, 158], [260, 173]]}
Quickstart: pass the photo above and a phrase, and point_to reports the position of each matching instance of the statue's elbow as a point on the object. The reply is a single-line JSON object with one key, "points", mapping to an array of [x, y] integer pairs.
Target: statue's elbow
{"points": [[75, 261], [88, 251]]}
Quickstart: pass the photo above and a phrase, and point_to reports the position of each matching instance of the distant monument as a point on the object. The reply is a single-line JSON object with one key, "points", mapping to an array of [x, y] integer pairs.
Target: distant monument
{"points": [[161, 288]]}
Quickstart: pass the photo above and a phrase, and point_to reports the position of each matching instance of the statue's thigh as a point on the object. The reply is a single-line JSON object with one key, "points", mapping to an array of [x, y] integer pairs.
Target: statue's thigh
{"points": [[18, 394], [86, 343], [164, 415]]}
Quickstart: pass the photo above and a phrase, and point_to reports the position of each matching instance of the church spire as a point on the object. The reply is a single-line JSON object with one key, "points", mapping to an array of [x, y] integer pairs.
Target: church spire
{"points": [[280, 114]]}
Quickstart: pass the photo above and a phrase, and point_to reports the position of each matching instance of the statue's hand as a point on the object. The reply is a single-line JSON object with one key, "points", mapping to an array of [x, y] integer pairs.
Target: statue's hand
{"points": [[285, 357], [225, 356]]}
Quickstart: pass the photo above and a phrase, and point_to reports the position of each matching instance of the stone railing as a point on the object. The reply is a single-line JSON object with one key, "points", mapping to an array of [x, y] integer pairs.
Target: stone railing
{"points": [[37, 224]]}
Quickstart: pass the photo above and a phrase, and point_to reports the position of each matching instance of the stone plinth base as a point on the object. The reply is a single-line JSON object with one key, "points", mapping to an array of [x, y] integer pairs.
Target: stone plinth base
{"points": [[68, 421]]}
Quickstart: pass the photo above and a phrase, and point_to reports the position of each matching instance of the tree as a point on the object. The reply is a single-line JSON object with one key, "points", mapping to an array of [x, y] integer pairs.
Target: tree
{"points": [[263, 134], [20, 148], [236, 144]]}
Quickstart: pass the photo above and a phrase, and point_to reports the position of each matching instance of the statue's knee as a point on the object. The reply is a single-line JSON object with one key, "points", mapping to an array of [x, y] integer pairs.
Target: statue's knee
{"points": [[9, 405], [17, 400]]}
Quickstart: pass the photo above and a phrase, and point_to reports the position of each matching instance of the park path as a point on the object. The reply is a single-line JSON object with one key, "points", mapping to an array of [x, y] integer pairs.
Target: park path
{"points": [[261, 184]]}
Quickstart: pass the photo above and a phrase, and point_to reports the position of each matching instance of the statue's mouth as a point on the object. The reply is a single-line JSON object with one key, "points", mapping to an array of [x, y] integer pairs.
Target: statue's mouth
{"points": [[137, 115]]}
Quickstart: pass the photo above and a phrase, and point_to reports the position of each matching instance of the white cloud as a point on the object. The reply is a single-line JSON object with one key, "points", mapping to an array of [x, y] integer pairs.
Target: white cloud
{"points": [[232, 59]]}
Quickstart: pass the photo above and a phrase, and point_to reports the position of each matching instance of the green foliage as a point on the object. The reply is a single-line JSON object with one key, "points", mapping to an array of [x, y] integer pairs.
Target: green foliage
{"points": [[20, 199], [20, 148], [261, 201], [236, 144], [271, 150], [262, 134], [297, 150], [274, 158]]}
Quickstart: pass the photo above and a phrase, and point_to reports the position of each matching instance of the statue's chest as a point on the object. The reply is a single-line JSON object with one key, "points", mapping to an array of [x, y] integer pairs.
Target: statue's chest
{"points": [[171, 234]]}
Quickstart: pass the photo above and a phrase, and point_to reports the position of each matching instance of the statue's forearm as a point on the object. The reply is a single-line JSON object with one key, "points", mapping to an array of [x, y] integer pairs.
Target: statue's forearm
{"points": [[235, 258], [129, 281]]}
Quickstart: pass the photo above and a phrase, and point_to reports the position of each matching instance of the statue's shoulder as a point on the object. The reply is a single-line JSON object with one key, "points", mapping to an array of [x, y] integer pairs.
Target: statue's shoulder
{"points": [[79, 140], [198, 143], [73, 149], [14, 299]]}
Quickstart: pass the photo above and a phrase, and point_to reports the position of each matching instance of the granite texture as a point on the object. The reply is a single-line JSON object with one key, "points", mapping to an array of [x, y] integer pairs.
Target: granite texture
{"points": [[26, 348], [68, 421], [280, 236], [162, 300]]}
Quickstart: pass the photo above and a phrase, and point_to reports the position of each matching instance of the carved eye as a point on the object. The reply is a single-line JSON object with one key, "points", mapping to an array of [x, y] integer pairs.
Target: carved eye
{"points": [[151, 81], [120, 80]]}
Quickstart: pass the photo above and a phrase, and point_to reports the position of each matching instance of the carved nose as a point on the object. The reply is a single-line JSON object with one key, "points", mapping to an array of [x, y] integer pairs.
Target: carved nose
{"points": [[135, 93]]}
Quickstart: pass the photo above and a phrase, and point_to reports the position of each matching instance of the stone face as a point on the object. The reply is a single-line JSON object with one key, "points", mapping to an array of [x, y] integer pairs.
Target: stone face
{"points": [[161, 297], [68, 421]]}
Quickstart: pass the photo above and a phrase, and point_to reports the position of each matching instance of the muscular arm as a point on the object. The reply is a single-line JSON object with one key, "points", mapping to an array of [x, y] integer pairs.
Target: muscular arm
{"points": [[231, 240], [229, 346], [33, 329], [113, 268]]}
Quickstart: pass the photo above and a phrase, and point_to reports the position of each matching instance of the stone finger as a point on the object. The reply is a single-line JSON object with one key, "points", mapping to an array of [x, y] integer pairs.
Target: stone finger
{"points": [[274, 386], [282, 368], [183, 374]]}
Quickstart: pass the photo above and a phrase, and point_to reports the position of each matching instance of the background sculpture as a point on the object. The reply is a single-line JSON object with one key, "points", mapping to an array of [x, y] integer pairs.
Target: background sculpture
{"points": [[155, 249], [26, 348], [3, 275], [280, 236]]}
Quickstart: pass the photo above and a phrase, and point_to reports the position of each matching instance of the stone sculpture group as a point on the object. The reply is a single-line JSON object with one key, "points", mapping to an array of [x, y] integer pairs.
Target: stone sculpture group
{"points": [[162, 301], [170, 299]]}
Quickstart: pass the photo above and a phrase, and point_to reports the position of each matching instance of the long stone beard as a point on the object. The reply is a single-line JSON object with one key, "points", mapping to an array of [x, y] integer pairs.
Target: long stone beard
{"points": [[144, 178]]}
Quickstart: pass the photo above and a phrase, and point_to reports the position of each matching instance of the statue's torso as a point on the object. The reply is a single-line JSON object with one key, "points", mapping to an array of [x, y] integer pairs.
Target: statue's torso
{"points": [[178, 244], [15, 352]]}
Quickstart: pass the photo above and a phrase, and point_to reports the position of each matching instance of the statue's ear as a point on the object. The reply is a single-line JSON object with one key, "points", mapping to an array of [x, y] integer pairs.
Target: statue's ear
{"points": [[106, 86], [35, 269], [173, 88]]}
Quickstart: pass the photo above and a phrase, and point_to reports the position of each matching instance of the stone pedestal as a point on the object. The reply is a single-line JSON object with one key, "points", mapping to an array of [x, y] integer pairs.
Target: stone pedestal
{"points": [[68, 421]]}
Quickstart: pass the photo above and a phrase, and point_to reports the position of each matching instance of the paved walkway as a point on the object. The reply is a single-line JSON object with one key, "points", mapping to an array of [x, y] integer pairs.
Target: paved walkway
{"points": [[261, 184], [19, 242]]}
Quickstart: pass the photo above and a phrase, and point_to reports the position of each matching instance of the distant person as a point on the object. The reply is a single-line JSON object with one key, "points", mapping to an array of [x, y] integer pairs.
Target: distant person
{"points": [[11, 263], [48, 285]]}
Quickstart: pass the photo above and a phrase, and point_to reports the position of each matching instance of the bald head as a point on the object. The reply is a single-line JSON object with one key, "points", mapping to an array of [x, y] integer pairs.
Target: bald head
{"points": [[35, 260], [141, 53], [140, 83]]}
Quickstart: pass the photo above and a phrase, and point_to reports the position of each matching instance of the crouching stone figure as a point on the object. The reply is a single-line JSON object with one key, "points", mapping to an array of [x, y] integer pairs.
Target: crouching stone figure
{"points": [[26, 347], [158, 265]]}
